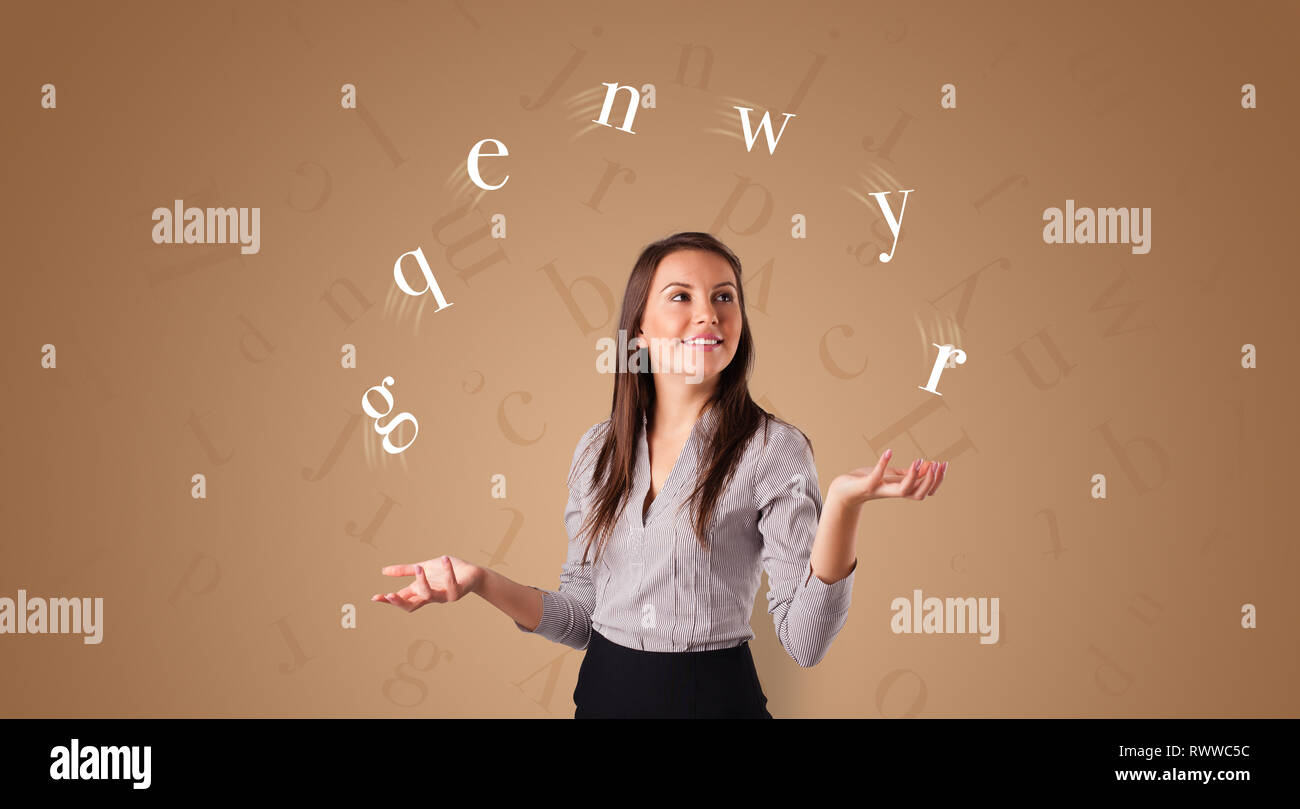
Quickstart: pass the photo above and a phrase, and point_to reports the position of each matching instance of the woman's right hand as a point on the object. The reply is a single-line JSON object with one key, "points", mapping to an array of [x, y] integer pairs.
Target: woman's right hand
{"points": [[443, 579]]}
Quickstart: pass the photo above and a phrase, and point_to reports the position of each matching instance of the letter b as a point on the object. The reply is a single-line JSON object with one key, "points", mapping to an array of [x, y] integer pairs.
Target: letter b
{"points": [[402, 284]]}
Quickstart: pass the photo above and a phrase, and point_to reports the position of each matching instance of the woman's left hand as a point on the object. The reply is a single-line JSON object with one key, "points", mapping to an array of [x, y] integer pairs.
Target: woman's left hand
{"points": [[917, 482]]}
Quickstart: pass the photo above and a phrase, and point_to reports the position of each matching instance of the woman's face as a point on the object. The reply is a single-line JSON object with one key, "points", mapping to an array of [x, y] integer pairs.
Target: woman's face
{"points": [[693, 294]]}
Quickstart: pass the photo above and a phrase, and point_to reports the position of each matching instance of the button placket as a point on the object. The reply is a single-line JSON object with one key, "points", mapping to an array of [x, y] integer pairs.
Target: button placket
{"points": [[634, 577], [636, 558], [704, 569]]}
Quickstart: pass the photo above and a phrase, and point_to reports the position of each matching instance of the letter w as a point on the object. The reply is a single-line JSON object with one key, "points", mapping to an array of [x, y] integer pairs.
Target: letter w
{"points": [[765, 125]]}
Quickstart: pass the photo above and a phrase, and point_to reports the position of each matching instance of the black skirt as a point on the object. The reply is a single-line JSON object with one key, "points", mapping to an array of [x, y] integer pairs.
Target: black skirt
{"points": [[616, 682]]}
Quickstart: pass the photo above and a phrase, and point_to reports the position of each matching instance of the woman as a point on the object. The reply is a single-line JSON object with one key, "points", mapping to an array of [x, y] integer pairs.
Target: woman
{"points": [[680, 497]]}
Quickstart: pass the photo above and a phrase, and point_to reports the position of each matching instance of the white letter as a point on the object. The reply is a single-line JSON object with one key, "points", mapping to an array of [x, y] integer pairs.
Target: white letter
{"points": [[1142, 235], [142, 773], [895, 225], [606, 361], [1052, 230], [902, 620], [194, 226], [989, 625], [250, 239], [1099, 486], [958, 356], [473, 163], [95, 624], [428, 274], [765, 125], [162, 232], [384, 392], [614, 87], [59, 769]]}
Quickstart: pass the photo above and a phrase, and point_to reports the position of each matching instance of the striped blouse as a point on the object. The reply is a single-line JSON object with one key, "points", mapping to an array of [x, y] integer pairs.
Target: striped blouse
{"points": [[656, 589]]}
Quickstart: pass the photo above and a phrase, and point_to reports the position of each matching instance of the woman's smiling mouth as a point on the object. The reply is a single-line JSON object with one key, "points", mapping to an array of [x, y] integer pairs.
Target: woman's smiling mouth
{"points": [[704, 343]]}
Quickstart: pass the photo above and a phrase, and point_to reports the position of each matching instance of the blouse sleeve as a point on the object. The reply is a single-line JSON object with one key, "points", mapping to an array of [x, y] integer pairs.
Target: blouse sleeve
{"points": [[808, 613], [566, 612]]}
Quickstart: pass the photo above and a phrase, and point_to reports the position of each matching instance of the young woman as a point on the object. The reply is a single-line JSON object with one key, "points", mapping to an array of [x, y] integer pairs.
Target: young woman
{"points": [[681, 498]]}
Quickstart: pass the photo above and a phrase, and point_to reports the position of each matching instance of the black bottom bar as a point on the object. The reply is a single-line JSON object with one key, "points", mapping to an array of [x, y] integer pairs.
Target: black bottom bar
{"points": [[401, 759]]}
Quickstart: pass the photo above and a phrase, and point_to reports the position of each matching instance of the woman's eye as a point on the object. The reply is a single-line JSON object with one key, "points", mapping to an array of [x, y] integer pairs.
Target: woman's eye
{"points": [[726, 296]]}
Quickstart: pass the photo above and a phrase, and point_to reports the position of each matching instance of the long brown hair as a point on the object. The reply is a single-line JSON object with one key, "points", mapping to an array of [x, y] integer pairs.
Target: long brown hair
{"points": [[739, 417]]}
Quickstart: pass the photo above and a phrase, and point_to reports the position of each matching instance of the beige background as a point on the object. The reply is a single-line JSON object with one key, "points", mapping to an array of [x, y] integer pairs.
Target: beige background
{"points": [[177, 360]]}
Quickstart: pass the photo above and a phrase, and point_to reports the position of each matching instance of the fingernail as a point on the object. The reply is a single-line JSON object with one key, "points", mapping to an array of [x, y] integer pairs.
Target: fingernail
{"points": [[916, 464]]}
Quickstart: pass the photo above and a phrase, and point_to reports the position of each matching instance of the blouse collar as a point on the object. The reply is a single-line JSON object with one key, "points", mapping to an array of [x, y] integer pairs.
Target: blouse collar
{"points": [[708, 420], [684, 470]]}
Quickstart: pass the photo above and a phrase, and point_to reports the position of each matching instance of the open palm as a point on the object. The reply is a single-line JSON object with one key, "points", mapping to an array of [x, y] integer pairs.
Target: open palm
{"points": [[917, 482], [443, 579]]}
